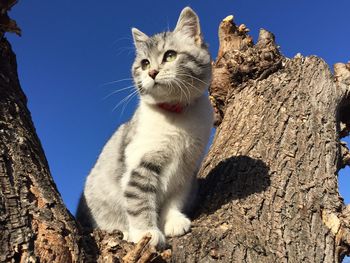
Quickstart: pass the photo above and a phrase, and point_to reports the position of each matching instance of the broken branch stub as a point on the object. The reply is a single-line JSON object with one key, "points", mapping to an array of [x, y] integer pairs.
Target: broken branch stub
{"points": [[240, 61], [342, 77], [6, 23]]}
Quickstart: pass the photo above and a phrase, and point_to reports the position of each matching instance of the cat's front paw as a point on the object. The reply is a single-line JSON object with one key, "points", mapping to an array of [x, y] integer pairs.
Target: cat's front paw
{"points": [[177, 225], [157, 240]]}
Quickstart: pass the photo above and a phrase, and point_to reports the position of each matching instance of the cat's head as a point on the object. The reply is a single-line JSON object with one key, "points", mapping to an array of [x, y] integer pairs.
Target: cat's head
{"points": [[172, 67]]}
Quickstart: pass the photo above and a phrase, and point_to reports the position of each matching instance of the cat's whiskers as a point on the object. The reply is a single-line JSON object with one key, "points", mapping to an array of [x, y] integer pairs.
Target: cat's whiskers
{"points": [[181, 84], [128, 38], [120, 50], [187, 83], [171, 81], [124, 49], [185, 86], [192, 86], [181, 73], [169, 84], [125, 99], [117, 91], [188, 97], [114, 81]]}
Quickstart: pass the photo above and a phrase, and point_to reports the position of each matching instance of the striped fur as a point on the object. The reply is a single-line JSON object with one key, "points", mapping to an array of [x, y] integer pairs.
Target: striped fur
{"points": [[143, 177]]}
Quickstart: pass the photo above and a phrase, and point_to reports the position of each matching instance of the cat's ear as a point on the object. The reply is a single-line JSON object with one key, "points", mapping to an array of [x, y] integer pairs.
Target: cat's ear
{"points": [[139, 37], [188, 23]]}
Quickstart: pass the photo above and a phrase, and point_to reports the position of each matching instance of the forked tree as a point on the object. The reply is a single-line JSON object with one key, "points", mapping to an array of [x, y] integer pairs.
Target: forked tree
{"points": [[268, 186]]}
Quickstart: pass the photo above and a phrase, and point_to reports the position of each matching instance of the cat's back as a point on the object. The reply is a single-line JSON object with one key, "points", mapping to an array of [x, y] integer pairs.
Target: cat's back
{"points": [[109, 167]]}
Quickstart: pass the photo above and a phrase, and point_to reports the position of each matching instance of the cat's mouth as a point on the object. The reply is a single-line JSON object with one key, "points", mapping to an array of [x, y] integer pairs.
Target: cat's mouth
{"points": [[159, 84], [156, 85], [162, 82]]}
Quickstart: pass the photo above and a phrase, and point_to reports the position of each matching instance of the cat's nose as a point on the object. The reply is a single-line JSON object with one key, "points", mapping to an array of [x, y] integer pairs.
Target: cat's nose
{"points": [[153, 73]]}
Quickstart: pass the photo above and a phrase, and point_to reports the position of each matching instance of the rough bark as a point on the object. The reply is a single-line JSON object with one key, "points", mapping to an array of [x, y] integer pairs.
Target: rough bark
{"points": [[268, 186], [269, 182], [35, 225], [34, 221]]}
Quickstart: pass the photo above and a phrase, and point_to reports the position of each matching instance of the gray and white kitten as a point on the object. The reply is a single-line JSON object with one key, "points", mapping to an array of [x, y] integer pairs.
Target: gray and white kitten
{"points": [[143, 177]]}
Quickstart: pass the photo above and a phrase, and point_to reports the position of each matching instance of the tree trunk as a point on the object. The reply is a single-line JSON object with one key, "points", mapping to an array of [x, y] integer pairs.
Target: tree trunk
{"points": [[268, 186], [34, 221], [269, 182]]}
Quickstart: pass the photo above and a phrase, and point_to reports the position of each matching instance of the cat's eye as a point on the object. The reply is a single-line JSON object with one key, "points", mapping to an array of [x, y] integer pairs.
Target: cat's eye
{"points": [[145, 64], [169, 56]]}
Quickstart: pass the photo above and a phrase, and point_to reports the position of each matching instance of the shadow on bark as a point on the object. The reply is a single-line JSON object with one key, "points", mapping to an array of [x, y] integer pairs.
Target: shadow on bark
{"points": [[83, 214], [233, 178]]}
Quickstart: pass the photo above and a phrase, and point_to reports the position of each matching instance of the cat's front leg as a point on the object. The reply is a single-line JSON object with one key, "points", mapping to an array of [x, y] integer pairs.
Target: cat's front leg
{"points": [[141, 193], [176, 223], [173, 220]]}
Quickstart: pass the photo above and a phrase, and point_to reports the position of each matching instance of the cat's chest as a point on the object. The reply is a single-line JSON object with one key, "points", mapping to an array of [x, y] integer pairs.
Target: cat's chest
{"points": [[173, 135], [159, 131], [179, 136]]}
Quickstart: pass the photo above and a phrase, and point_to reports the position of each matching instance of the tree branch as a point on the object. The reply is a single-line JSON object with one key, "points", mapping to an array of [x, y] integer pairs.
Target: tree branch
{"points": [[6, 23], [239, 61], [342, 73], [142, 251], [345, 154], [342, 77]]}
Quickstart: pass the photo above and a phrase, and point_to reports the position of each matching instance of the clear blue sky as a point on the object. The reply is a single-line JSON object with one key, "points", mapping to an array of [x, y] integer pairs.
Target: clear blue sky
{"points": [[69, 49]]}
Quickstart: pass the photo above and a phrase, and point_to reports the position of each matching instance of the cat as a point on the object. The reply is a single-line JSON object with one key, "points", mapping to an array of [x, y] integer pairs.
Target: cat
{"points": [[143, 178]]}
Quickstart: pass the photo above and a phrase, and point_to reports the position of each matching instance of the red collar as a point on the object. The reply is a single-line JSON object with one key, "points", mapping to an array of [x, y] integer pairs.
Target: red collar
{"points": [[175, 108]]}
